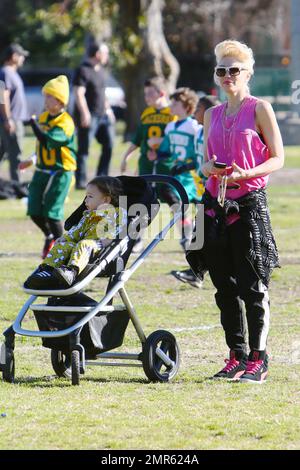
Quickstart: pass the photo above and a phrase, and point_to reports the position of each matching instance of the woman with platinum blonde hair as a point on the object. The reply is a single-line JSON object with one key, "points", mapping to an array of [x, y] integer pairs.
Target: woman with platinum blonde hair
{"points": [[242, 146]]}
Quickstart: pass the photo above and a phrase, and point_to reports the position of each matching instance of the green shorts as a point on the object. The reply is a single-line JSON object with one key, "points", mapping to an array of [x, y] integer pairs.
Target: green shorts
{"points": [[47, 194]]}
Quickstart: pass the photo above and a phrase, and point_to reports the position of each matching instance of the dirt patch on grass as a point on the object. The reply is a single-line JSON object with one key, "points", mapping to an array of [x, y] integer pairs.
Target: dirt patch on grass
{"points": [[12, 254], [285, 176], [284, 260]]}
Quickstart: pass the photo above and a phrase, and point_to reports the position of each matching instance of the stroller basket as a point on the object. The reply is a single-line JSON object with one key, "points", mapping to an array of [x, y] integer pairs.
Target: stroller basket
{"points": [[105, 331]]}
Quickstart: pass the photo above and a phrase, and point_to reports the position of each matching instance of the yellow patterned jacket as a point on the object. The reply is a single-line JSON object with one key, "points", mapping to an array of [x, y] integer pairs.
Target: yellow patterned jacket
{"points": [[101, 223]]}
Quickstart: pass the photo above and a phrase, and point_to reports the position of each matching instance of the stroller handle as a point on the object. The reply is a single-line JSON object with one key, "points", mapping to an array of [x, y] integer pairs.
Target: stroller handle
{"points": [[165, 179]]}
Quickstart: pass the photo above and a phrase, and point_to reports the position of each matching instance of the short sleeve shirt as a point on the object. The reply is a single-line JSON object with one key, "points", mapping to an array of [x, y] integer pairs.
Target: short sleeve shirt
{"points": [[13, 83], [94, 82]]}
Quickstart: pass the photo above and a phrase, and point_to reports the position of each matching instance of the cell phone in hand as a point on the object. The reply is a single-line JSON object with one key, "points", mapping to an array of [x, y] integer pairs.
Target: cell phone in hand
{"points": [[233, 186], [220, 165]]}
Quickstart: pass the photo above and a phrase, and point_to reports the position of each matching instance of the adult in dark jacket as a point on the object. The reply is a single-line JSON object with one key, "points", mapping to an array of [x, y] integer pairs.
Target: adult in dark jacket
{"points": [[93, 115]]}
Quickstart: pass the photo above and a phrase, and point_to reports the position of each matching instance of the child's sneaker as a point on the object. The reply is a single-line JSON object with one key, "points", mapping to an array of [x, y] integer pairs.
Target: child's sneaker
{"points": [[41, 278], [65, 275], [49, 242], [234, 367], [257, 368]]}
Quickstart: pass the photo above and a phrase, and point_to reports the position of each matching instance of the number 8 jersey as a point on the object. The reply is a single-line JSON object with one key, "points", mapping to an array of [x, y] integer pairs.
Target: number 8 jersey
{"points": [[153, 124]]}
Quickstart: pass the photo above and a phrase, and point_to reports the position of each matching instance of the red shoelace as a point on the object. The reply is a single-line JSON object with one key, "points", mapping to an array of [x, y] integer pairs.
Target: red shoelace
{"points": [[230, 364], [253, 366]]}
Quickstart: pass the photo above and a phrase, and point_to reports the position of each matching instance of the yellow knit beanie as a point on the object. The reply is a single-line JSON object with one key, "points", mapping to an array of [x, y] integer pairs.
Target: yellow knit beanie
{"points": [[59, 88]]}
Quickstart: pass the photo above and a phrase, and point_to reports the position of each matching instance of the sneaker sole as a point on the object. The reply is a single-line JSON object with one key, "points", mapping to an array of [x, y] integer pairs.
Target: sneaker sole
{"points": [[62, 281], [261, 381], [197, 286], [185, 281], [228, 379], [249, 381], [225, 379]]}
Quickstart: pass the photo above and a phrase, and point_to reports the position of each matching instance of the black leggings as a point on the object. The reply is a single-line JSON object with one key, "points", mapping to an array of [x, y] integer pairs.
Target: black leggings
{"points": [[235, 280], [48, 226]]}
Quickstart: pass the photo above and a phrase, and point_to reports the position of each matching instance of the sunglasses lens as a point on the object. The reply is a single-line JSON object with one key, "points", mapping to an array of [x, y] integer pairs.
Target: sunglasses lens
{"points": [[221, 72], [233, 71]]}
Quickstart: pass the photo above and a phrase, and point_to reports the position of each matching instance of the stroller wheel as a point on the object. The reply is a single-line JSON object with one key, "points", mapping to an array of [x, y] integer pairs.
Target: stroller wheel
{"points": [[161, 356], [8, 369], [75, 366], [61, 363]]}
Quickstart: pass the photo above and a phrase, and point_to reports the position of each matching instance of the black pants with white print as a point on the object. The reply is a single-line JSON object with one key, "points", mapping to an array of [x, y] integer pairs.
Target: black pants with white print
{"points": [[236, 280]]}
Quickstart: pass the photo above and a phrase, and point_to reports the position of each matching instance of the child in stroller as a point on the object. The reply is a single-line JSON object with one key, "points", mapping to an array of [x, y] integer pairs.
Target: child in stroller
{"points": [[98, 226]]}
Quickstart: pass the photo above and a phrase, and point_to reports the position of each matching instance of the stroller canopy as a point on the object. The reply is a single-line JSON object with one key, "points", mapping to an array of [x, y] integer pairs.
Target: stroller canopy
{"points": [[137, 191]]}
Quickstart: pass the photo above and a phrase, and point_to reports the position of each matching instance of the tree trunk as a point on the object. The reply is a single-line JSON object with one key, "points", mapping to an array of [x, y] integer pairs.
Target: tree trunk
{"points": [[153, 57], [164, 63]]}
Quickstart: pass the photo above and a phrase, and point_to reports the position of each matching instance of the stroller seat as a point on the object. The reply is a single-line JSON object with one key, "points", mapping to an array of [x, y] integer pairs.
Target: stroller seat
{"points": [[107, 263], [113, 258]]}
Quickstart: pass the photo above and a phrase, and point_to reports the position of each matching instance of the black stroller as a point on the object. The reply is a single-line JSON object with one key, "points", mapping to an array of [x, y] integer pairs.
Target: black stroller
{"points": [[78, 329]]}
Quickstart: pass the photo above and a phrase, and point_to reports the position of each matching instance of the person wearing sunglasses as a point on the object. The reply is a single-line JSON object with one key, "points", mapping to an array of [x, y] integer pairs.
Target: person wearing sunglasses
{"points": [[242, 146]]}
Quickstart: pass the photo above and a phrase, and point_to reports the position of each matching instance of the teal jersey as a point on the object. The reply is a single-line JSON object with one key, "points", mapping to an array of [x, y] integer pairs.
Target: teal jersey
{"points": [[178, 146], [199, 178]]}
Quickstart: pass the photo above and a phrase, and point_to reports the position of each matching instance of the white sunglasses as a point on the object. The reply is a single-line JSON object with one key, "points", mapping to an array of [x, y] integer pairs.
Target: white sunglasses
{"points": [[233, 71]]}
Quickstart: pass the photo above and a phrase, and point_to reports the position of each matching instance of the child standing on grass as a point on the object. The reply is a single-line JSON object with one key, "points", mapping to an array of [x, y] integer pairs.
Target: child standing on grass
{"points": [[204, 103], [177, 152], [96, 229], [149, 135], [150, 132], [55, 162]]}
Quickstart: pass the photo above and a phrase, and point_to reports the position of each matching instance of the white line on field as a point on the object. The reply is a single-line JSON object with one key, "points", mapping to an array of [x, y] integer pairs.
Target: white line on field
{"points": [[195, 328], [210, 327]]}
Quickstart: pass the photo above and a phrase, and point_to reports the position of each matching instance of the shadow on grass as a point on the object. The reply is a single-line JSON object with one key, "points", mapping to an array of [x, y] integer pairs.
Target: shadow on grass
{"points": [[42, 382], [53, 381], [123, 380]]}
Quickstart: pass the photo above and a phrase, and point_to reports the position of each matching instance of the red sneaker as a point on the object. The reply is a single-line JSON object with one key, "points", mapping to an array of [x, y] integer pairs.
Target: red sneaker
{"points": [[257, 370], [49, 242], [234, 368]]}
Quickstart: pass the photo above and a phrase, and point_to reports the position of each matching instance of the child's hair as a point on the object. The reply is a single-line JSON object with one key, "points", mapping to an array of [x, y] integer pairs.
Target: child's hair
{"points": [[208, 101], [109, 186], [187, 97], [156, 82]]}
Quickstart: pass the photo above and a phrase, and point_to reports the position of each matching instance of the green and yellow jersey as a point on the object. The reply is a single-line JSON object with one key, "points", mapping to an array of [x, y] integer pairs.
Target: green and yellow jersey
{"points": [[59, 153], [153, 123]]}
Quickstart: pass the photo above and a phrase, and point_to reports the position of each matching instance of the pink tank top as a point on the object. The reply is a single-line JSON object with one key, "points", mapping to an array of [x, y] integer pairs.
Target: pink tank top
{"points": [[234, 138]]}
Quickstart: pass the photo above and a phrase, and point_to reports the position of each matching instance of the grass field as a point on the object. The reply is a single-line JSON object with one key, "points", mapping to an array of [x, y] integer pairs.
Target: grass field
{"points": [[117, 408]]}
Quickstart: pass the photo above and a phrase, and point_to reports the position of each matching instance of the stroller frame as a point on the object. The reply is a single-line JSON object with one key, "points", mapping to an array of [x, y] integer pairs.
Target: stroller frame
{"points": [[159, 349]]}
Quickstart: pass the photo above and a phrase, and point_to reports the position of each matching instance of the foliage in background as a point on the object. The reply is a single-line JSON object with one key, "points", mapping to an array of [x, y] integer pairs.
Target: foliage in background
{"points": [[146, 37], [192, 27], [23, 22]]}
